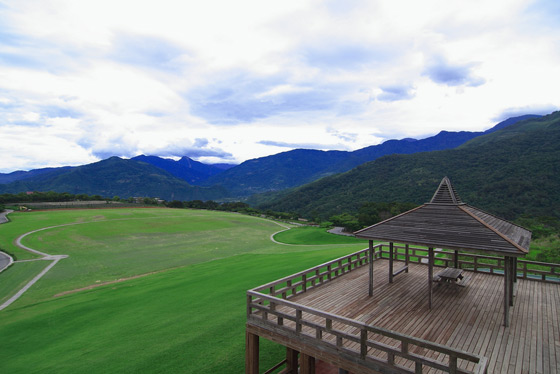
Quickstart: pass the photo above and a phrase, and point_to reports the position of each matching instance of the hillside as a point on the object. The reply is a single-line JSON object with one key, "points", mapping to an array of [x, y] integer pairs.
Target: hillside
{"points": [[115, 177], [300, 166], [509, 172], [277, 172], [36, 173]]}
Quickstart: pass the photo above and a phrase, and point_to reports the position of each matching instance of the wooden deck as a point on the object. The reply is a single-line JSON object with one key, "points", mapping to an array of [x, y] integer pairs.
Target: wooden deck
{"points": [[467, 318], [325, 312]]}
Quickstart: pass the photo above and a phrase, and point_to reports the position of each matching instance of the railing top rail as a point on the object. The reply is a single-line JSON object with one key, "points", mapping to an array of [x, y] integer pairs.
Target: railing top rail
{"points": [[539, 263], [295, 275]]}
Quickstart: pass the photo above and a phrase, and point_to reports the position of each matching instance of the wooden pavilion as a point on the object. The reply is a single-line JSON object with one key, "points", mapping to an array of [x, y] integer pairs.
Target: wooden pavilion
{"points": [[447, 222], [325, 314]]}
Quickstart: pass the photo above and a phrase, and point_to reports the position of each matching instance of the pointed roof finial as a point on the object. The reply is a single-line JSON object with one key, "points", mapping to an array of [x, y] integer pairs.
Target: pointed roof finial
{"points": [[446, 194]]}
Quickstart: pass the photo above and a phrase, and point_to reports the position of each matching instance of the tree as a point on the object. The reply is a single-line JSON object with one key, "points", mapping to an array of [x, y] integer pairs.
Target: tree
{"points": [[346, 220], [175, 204]]}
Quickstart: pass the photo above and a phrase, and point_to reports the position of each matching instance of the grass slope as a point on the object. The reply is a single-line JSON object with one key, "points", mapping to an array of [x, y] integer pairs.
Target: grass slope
{"points": [[188, 317]]}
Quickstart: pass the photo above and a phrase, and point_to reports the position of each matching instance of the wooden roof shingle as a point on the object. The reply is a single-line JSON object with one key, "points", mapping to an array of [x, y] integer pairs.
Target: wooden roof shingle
{"points": [[447, 222]]}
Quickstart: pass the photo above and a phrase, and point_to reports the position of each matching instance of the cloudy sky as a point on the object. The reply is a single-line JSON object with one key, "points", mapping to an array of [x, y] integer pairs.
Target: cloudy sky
{"points": [[226, 81]]}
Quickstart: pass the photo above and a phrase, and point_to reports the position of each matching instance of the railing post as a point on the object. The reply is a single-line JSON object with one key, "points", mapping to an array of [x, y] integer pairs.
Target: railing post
{"points": [[363, 344], [404, 347], [298, 320], [304, 282], [391, 359], [249, 302], [452, 365]]}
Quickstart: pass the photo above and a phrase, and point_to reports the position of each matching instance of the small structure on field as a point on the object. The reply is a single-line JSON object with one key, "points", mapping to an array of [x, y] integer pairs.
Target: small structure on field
{"points": [[447, 222]]}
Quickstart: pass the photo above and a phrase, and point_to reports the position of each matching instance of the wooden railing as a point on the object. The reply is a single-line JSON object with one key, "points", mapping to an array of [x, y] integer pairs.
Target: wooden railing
{"points": [[268, 306], [530, 270], [295, 284]]}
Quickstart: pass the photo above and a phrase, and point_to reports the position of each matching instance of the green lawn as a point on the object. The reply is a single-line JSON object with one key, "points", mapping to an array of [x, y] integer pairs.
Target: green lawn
{"points": [[315, 235], [187, 317]]}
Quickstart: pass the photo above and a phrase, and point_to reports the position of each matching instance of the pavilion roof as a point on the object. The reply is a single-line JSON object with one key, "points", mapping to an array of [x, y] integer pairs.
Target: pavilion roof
{"points": [[447, 222]]}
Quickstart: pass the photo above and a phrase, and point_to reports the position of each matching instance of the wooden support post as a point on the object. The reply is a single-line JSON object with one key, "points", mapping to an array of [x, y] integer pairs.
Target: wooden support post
{"points": [[251, 353], [456, 259], [430, 275], [506, 291], [307, 364], [391, 250], [371, 256], [291, 361], [406, 257], [512, 275], [515, 270]]}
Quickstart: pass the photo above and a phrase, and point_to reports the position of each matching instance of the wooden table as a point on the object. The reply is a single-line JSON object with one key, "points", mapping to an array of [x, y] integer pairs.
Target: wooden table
{"points": [[449, 275]]}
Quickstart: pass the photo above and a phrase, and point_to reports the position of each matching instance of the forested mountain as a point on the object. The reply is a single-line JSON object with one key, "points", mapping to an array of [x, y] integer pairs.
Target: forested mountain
{"points": [[153, 176], [300, 166], [21, 175], [513, 171], [189, 170], [116, 177], [277, 172]]}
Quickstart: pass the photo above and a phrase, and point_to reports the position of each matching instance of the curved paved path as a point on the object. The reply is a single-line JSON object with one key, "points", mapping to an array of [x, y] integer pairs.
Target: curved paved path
{"points": [[5, 259], [45, 256]]}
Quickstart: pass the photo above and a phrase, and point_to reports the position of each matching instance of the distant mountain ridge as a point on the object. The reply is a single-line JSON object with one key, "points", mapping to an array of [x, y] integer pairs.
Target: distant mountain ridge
{"points": [[21, 175], [186, 179], [300, 166], [187, 169], [509, 172], [115, 177]]}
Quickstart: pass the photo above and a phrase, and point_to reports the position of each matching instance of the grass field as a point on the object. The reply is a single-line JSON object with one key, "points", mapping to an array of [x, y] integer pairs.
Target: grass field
{"points": [[186, 315], [314, 235]]}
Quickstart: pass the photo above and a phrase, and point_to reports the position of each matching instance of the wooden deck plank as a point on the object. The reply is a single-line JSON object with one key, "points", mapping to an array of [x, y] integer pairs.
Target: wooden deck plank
{"points": [[467, 318]]}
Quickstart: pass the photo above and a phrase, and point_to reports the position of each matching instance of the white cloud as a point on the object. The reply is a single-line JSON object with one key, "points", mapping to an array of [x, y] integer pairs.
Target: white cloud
{"points": [[221, 80]]}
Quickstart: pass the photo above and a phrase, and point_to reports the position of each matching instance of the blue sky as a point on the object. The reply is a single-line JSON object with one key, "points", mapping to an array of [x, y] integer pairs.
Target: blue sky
{"points": [[223, 81]]}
